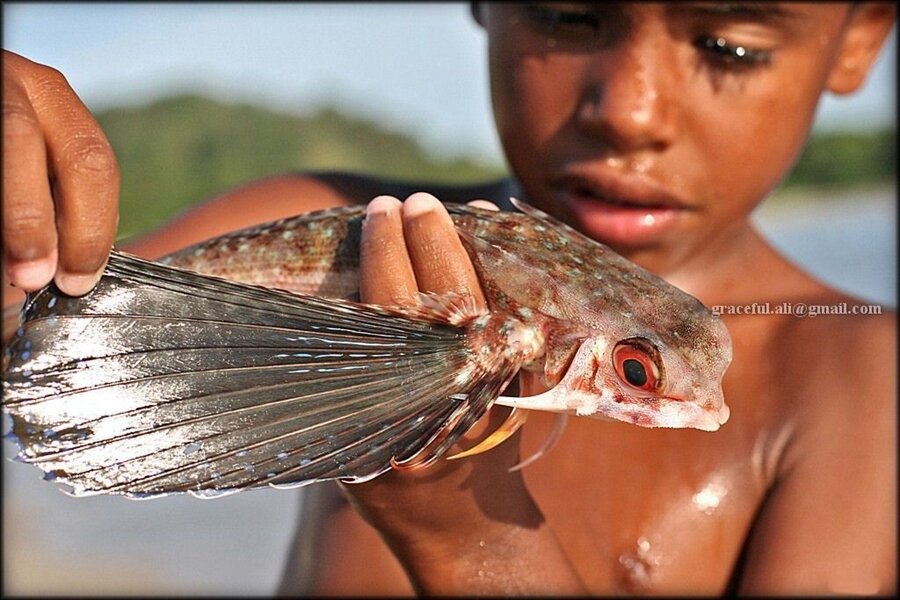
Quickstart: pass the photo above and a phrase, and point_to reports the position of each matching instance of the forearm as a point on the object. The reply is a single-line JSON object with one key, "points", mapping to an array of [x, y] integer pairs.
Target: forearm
{"points": [[513, 553], [457, 526], [508, 560]]}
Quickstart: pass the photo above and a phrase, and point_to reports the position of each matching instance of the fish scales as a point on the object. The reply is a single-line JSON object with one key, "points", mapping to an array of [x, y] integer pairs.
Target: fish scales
{"points": [[313, 254], [319, 254], [568, 275], [239, 362]]}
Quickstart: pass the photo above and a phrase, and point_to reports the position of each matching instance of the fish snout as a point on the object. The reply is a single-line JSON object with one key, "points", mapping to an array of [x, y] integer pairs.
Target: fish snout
{"points": [[709, 419], [696, 406], [702, 405]]}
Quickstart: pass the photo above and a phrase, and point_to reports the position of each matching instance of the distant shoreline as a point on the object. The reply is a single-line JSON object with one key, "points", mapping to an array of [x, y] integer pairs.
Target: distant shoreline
{"points": [[831, 194], [804, 202]]}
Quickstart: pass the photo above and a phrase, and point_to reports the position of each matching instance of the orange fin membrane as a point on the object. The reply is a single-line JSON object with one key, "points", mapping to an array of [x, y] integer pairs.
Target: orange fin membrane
{"points": [[512, 423], [427, 455]]}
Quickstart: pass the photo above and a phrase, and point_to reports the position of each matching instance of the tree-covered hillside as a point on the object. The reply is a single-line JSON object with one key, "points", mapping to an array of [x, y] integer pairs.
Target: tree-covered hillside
{"points": [[846, 159], [181, 150]]}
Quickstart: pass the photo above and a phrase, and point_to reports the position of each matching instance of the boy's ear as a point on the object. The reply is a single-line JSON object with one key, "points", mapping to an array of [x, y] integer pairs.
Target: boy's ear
{"points": [[869, 23]]}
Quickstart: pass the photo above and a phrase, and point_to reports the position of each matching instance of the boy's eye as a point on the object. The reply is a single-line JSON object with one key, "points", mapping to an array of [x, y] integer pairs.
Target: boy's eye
{"points": [[723, 54], [555, 20]]}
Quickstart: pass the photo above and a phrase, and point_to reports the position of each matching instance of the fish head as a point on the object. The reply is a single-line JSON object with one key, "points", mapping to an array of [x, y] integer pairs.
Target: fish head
{"points": [[621, 342], [652, 362], [640, 377]]}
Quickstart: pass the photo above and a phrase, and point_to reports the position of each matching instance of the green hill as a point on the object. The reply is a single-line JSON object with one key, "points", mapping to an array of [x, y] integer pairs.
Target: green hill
{"points": [[847, 159], [183, 149]]}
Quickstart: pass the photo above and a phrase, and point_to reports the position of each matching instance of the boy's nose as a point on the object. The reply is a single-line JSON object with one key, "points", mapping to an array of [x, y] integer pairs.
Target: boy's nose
{"points": [[628, 98]]}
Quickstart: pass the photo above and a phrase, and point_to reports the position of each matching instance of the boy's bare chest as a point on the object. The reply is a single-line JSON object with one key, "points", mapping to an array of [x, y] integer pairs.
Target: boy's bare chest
{"points": [[652, 511], [665, 511]]}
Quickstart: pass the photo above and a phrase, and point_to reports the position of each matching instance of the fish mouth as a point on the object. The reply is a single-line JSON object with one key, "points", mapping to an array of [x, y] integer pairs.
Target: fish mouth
{"points": [[669, 412], [710, 420], [674, 412]]}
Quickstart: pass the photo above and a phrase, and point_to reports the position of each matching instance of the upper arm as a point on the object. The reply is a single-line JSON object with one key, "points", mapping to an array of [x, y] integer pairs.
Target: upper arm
{"points": [[829, 523], [258, 202], [285, 196]]}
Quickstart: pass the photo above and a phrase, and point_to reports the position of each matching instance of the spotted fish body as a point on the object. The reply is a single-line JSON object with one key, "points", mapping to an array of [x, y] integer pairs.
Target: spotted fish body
{"points": [[243, 361]]}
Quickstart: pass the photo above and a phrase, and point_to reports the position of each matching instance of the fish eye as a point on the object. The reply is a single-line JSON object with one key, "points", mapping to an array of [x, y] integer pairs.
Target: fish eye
{"points": [[637, 364], [634, 372]]}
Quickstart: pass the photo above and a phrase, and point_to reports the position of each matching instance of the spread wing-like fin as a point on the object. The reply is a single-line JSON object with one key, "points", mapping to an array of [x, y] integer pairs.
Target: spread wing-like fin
{"points": [[161, 380]]}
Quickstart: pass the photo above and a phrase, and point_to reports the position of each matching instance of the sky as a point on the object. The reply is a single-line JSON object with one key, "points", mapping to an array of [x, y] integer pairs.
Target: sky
{"points": [[417, 67]]}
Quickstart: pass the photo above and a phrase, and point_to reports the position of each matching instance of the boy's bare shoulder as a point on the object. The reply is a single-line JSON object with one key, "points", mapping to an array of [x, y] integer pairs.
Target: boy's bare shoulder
{"points": [[835, 372], [838, 342], [830, 381], [841, 331], [290, 194]]}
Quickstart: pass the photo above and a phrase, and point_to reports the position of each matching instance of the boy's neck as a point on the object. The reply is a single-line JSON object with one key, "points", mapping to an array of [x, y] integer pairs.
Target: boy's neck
{"points": [[737, 265], [740, 267]]}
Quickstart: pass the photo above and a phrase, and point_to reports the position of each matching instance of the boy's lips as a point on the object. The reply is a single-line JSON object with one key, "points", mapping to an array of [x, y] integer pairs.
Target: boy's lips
{"points": [[618, 210]]}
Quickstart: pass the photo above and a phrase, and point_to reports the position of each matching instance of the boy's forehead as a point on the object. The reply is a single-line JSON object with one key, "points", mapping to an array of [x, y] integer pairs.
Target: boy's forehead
{"points": [[757, 11]]}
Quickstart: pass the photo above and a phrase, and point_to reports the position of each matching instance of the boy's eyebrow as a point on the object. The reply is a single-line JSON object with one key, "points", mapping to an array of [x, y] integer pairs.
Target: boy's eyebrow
{"points": [[761, 11]]}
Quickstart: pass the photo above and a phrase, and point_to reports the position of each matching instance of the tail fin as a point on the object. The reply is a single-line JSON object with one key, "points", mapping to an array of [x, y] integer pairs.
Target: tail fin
{"points": [[162, 380]]}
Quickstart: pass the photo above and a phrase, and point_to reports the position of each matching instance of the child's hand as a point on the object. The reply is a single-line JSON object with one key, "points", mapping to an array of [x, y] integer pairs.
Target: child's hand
{"points": [[424, 514], [60, 182]]}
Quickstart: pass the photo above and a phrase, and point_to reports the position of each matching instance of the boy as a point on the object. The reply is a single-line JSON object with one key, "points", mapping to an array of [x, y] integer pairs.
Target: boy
{"points": [[655, 129]]}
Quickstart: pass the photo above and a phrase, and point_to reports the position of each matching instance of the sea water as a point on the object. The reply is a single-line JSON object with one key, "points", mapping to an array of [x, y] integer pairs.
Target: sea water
{"points": [[849, 243]]}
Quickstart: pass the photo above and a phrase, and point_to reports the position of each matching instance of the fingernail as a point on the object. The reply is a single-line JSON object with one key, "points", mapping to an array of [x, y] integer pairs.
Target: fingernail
{"points": [[77, 284], [382, 205], [485, 204], [31, 275], [419, 204]]}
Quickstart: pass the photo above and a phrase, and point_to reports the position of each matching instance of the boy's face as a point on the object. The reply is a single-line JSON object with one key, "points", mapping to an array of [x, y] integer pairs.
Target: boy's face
{"points": [[658, 128]]}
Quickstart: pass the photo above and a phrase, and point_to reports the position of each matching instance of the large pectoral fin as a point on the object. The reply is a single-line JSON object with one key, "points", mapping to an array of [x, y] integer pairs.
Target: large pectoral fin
{"points": [[162, 380]]}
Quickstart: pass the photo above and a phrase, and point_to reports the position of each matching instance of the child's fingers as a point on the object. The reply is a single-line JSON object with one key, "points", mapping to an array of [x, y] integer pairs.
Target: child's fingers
{"points": [[439, 260], [386, 275], [83, 169], [86, 190], [29, 230]]}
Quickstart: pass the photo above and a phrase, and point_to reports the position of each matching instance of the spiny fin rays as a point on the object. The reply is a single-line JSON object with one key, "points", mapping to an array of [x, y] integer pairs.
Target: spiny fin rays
{"points": [[513, 422], [559, 425], [156, 417]]}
